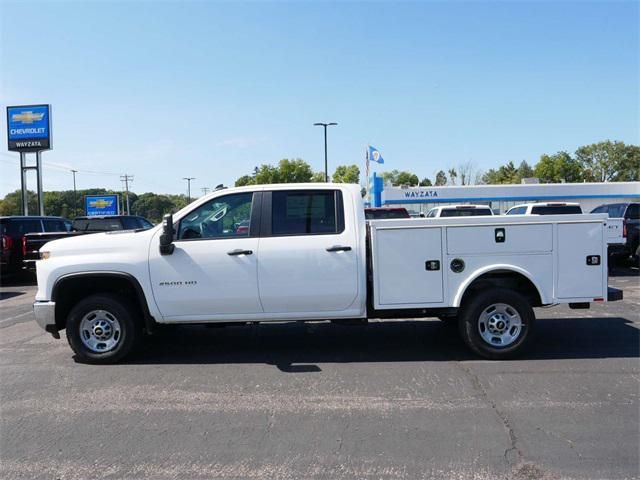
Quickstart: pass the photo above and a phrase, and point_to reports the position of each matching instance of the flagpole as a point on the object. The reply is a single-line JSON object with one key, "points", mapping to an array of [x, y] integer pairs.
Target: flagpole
{"points": [[366, 170]]}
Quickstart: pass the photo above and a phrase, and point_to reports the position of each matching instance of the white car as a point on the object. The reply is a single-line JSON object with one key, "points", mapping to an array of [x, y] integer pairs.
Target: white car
{"points": [[309, 254], [545, 208], [460, 211]]}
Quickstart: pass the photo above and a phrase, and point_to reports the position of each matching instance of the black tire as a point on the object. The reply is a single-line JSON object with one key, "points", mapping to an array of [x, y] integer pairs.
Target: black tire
{"points": [[470, 320], [130, 331]]}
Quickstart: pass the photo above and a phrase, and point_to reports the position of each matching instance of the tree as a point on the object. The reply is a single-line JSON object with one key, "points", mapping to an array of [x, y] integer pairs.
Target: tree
{"points": [[505, 174], [441, 178], [396, 177], [245, 180], [558, 168], [346, 174], [525, 170], [452, 176], [425, 182], [153, 206], [318, 177], [608, 161], [294, 171], [407, 178], [468, 173]]}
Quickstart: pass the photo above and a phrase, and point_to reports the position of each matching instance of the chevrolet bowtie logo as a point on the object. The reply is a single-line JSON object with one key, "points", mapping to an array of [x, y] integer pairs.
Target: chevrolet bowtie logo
{"points": [[101, 203], [27, 117]]}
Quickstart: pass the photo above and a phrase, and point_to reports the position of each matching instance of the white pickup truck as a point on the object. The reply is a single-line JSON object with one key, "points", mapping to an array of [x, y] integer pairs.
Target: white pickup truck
{"points": [[304, 252]]}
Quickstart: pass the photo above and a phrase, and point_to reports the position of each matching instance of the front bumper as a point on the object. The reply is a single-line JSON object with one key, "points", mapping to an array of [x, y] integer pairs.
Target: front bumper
{"points": [[45, 313]]}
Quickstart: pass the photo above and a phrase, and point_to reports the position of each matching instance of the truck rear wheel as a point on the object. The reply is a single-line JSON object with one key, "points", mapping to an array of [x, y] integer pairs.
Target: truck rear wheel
{"points": [[497, 323], [101, 329]]}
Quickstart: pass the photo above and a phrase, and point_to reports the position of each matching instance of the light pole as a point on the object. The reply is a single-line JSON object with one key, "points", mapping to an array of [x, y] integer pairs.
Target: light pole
{"points": [[188, 179], [325, 125], [75, 204]]}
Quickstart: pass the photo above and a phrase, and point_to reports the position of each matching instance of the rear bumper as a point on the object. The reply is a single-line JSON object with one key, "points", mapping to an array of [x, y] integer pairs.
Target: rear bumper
{"points": [[614, 294], [45, 313]]}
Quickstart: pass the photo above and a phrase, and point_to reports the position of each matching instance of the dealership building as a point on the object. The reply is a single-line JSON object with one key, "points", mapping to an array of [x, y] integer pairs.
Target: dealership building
{"points": [[502, 197]]}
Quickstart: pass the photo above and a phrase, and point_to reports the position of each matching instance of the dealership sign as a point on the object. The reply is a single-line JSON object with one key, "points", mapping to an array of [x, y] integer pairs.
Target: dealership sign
{"points": [[29, 128], [98, 205]]}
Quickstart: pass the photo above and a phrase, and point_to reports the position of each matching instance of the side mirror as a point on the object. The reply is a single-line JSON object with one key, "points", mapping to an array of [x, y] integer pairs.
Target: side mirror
{"points": [[166, 238]]}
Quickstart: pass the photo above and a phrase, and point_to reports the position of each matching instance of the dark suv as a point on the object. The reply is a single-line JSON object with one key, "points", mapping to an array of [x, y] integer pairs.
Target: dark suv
{"points": [[13, 231], [630, 213], [110, 223]]}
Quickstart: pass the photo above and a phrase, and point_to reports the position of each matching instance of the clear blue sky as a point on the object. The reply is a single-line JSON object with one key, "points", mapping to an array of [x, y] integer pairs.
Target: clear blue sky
{"points": [[210, 90]]}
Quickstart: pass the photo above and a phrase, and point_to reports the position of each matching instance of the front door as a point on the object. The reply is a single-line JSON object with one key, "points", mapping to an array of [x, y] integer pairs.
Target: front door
{"points": [[212, 272]]}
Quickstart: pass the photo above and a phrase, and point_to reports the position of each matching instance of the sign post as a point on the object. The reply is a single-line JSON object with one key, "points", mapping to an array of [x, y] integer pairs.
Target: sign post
{"points": [[29, 131]]}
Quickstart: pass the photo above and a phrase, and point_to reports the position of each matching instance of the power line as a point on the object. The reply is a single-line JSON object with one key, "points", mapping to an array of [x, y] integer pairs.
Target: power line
{"points": [[126, 179], [205, 190], [188, 179]]}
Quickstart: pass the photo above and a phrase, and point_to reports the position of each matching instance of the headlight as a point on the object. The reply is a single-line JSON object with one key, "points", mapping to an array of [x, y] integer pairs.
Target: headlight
{"points": [[45, 255]]}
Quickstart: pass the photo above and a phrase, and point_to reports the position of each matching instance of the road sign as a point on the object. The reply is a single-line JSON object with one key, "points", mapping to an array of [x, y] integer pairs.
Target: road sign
{"points": [[97, 205], [29, 128]]}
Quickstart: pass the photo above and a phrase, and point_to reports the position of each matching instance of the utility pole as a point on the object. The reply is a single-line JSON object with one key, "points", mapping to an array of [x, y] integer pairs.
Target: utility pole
{"points": [[205, 190], [188, 179], [75, 204], [126, 179], [325, 125]]}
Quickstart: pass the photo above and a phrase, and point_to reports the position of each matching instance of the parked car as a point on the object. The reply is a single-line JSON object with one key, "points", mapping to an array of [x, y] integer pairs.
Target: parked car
{"points": [[546, 208], [33, 242], [460, 211], [382, 213], [630, 215], [14, 230], [310, 255]]}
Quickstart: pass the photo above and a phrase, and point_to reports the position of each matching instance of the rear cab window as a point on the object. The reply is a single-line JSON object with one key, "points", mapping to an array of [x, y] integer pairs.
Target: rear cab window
{"points": [[306, 212], [465, 212], [18, 227], [556, 210]]}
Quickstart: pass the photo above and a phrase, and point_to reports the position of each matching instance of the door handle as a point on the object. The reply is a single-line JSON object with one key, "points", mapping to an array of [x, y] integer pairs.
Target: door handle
{"points": [[239, 251], [339, 248]]}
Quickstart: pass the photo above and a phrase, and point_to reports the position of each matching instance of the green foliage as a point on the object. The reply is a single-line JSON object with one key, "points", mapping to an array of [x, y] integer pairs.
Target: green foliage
{"points": [[346, 174], [505, 174], [558, 168], [245, 180], [318, 177], [609, 161], [425, 182], [396, 178], [441, 178]]}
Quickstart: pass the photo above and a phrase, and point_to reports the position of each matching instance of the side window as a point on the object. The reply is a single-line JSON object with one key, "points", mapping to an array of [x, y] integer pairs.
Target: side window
{"points": [[21, 227], [306, 212], [54, 226], [633, 212], [517, 211], [130, 223], [222, 217], [600, 209], [432, 213]]}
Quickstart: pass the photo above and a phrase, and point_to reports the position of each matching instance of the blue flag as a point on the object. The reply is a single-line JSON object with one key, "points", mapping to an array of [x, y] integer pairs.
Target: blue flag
{"points": [[374, 155]]}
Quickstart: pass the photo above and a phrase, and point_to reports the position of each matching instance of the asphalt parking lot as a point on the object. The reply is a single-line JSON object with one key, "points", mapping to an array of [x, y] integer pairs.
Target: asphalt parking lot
{"points": [[394, 400]]}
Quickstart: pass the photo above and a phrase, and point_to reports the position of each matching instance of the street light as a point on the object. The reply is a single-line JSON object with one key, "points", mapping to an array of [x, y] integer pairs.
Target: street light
{"points": [[325, 125], [188, 179]]}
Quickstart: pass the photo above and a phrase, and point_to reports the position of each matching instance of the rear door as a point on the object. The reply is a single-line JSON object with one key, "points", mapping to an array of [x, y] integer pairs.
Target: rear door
{"points": [[581, 260], [308, 253]]}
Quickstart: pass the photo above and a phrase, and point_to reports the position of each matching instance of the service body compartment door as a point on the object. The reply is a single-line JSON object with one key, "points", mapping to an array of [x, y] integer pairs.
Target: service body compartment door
{"points": [[407, 267], [579, 274]]}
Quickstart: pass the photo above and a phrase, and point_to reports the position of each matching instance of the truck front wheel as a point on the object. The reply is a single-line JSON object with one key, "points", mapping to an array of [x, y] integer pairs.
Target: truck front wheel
{"points": [[497, 323], [101, 329]]}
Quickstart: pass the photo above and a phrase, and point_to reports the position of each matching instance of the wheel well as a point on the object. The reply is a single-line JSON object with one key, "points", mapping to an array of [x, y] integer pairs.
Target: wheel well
{"points": [[504, 279], [68, 291]]}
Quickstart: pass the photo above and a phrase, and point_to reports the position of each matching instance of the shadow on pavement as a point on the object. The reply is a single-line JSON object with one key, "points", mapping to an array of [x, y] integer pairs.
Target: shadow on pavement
{"points": [[298, 347], [10, 294]]}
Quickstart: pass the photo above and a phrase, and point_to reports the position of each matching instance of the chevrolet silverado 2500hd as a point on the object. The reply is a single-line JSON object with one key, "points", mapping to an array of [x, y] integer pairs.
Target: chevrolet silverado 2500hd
{"points": [[304, 252]]}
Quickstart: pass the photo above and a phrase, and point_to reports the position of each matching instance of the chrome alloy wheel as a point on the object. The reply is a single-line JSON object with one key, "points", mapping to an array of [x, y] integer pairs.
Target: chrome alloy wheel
{"points": [[100, 331], [500, 325]]}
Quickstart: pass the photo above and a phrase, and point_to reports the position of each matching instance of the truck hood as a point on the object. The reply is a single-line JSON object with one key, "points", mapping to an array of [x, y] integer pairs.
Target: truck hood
{"points": [[96, 243]]}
